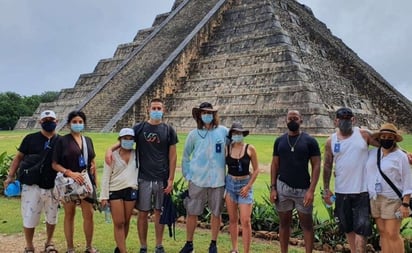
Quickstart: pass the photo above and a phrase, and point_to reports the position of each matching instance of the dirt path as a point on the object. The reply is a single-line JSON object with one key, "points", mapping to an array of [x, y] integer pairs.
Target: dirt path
{"points": [[15, 243]]}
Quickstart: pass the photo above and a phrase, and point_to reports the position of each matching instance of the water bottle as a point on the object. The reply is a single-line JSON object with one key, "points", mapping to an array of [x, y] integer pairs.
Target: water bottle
{"points": [[332, 200], [107, 214]]}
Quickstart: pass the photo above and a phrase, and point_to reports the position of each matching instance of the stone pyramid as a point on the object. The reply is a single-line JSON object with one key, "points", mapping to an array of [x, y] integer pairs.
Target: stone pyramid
{"points": [[253, 60]]}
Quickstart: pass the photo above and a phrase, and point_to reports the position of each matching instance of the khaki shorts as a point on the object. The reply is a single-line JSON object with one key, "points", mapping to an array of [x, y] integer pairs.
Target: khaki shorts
{"points": [[35, 199], [198, 197], [384, 208]]}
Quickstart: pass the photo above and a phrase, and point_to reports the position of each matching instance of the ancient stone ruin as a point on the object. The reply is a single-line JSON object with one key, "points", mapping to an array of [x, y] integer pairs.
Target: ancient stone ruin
{"points": [[251, 59]]}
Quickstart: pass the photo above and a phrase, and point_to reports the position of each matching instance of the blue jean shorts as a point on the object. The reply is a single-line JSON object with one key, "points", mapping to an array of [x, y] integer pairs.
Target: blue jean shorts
{"points": [[233, 187]]}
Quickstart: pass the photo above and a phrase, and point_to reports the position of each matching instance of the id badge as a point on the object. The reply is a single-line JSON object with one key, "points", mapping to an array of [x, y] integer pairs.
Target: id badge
{"points": [[336, 149], [218, 147], [378, 187], [82, 163]]}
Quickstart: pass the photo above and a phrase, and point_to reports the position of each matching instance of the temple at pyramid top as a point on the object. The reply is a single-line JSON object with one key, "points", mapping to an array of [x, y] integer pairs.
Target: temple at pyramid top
{"points": [[253, 60]]}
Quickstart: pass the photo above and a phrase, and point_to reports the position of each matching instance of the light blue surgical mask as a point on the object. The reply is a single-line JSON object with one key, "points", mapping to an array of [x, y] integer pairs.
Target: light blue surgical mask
{"points": [[77, 128], [207, 118], [127, 144], [237, 138], [156, 115]]}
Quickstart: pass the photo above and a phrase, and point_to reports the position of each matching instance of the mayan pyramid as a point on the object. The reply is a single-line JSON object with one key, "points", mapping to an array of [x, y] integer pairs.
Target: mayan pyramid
{"points": [[251, 59]]}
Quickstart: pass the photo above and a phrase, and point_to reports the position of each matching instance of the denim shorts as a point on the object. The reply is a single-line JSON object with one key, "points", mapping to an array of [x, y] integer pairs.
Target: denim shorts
{"points": [[233, 187]]}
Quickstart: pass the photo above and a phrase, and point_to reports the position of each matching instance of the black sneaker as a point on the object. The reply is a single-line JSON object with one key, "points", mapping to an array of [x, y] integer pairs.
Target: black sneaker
{"points": [[160, 249], [188, 248], [143, 250], [116, 250], [212, 248]]}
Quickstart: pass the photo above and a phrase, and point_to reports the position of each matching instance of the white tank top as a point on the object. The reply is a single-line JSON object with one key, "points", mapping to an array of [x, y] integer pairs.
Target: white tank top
{"points": [[350, 163]]}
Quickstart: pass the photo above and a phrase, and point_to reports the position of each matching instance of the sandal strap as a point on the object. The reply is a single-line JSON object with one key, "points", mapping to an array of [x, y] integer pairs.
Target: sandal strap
{"points": [[48, 248], [91, 250]]}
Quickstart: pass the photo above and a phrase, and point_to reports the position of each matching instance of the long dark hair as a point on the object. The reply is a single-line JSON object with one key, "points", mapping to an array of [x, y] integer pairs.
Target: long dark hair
{"points": [[73, 114]]}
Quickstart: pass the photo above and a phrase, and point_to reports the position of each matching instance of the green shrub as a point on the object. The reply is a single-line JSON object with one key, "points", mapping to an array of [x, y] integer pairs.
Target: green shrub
{"points": [[5, 161]]}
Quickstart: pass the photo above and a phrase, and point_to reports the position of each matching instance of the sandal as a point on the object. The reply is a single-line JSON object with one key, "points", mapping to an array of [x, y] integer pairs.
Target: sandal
{"points": [[91, 250], [49, 248], [70, 251], [27, 250]]}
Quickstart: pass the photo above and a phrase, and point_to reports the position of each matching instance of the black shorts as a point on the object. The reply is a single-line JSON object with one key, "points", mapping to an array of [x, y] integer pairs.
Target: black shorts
{"points": [[352, 212], [127, 194]]}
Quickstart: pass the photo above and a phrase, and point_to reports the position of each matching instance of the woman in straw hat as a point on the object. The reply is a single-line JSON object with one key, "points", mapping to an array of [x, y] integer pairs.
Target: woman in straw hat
{"points": [[387, 208], [239, 182]]}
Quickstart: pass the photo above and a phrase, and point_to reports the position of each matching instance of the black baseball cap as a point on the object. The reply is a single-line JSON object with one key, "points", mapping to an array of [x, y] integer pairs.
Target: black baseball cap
{"points": [[344, 113]]}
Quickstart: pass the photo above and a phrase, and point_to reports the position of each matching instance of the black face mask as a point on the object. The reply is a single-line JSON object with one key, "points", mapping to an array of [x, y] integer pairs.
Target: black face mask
{"points": [[293, 126], [387, 144], [345, 126], [48, 126]]}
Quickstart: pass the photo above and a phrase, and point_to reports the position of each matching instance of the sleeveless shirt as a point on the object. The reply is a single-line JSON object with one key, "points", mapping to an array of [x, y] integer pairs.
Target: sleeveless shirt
{"points": [[350, 157], [238, 167]]}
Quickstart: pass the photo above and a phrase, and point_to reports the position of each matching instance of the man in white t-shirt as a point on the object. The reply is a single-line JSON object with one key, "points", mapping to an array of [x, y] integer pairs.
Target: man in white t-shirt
{"points": [[348, 150]]}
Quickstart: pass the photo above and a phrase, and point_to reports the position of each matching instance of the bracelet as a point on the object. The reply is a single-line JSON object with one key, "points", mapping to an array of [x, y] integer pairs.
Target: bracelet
{"points": [[9, 176], [404, 204], [273, 187]]}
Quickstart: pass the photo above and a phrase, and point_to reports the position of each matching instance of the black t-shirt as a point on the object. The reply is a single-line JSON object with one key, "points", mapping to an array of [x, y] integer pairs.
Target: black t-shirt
{"points": [[67, 153], [33, 147], [153, 142], [293, 166]]}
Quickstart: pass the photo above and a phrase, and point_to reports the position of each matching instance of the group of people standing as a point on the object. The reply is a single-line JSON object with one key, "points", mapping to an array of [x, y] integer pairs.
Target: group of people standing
{"points": [[361, 189], [221, 168]]}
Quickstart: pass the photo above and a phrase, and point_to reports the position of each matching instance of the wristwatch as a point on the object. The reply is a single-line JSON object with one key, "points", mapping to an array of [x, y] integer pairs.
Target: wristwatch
{"points": [[404, 204]]}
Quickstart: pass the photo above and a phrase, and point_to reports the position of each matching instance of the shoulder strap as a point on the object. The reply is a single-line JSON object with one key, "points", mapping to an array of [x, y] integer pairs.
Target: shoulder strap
{"points": [[85, 151], [46, 151], [395, 189]]}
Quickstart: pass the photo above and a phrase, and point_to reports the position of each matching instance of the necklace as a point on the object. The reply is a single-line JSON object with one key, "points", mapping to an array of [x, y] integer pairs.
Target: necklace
{"points": [[239, 165], [202, 136], [292, 148]]}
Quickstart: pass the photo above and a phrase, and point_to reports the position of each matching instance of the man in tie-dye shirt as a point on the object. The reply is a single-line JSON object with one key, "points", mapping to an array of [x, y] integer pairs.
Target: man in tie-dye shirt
{"points": [[203, 166]]}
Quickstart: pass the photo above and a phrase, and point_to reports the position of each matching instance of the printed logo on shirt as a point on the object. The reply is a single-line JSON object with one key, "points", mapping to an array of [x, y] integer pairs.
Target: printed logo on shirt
{"points": [[151, 137]]}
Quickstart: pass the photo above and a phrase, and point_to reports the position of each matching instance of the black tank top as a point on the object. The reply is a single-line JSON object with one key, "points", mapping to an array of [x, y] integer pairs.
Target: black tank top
{"points": [[238, 167]]}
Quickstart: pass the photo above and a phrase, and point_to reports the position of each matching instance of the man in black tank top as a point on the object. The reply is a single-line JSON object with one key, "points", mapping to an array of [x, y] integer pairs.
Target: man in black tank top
{"points": [[291, 184]]}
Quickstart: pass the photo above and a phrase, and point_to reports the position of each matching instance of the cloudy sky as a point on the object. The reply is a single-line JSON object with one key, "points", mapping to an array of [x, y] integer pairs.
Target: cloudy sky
{"points": [[47, 44]]}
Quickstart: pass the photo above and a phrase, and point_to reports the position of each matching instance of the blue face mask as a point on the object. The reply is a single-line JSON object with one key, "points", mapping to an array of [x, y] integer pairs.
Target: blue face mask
{"points": [[237, 138], [156, 115], [49, 126], [207, 118], [127, 144], [77, 128]]}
